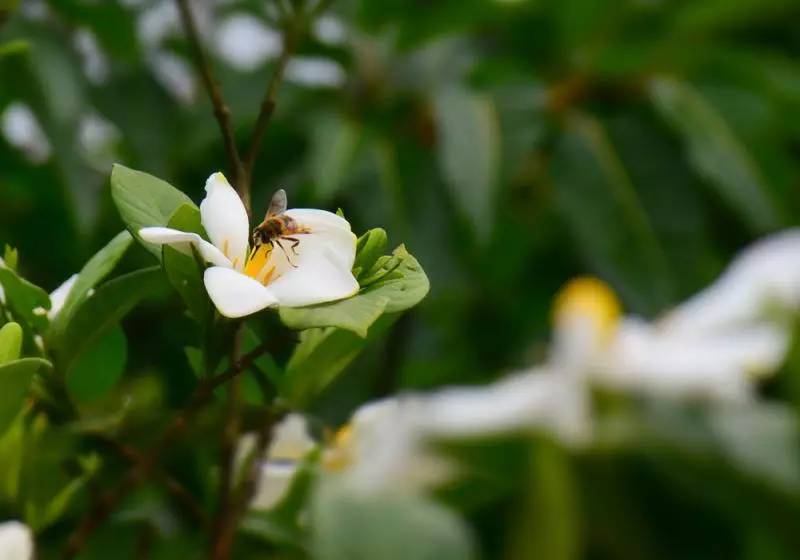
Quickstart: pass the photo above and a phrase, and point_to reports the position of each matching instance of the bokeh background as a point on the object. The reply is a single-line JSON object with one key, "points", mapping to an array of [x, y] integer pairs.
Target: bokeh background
{"points": [[511, 145]]}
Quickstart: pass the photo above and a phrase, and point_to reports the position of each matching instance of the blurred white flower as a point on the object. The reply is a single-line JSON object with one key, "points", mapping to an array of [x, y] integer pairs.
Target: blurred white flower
{"points": [[330, 30], [16, 541], [291, 443], [98, 138], [22, 130], [313, 265], [712, 347], [315, 72], [175, 74], [246, 43], [93, 59]]}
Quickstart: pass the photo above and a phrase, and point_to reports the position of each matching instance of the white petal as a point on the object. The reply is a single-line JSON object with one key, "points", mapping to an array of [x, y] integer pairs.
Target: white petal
{"points": [[235, 294], [273, 483], [672, 365], [318, 220], [291, 439], [225, 219], [182, 241], [16, 541], [538, 399], [59, 296], [322, 269], [767, 273]]}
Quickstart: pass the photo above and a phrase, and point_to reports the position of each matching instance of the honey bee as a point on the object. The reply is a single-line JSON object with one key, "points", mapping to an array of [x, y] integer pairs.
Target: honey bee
{"points": [[277, 227]]}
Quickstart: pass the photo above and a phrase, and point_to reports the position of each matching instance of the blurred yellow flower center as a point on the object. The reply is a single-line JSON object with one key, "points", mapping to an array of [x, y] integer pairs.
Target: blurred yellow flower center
{"points": [[591, 298], [339, 454], [257, 264]]}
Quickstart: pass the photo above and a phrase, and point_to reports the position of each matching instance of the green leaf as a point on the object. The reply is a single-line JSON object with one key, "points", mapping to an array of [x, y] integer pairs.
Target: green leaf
{"points": [[183, 271], [370, 246], [24, 299], [97, 370], [602, 209], [93, 272], [11, 257], [15, 379], [10, 342], [143, 201], [13, 47], [351, 525], [395, 284], [320, 356], [716, 153], [335, 141], [469, 153], [98, 313]]}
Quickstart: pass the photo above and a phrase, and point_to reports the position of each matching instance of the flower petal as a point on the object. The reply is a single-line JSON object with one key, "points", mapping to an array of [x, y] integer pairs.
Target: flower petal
{"points": [[182, 241], [59, 296], [16, 541], [225, 219], [273, 483], [717, 366], [235, 294], [767, 273], [320, 272]]}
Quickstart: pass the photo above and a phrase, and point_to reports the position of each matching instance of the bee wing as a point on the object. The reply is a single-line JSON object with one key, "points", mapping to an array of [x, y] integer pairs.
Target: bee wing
{"points": [[278, 203]]}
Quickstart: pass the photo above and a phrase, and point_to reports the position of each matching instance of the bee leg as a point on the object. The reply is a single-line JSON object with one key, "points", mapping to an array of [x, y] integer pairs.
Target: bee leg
{"points": [[295, 243], [288, 258]]}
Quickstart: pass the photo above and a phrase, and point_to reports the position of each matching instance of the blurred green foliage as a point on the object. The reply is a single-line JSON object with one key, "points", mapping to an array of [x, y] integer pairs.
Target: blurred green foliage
{"points": [[510, 145]]}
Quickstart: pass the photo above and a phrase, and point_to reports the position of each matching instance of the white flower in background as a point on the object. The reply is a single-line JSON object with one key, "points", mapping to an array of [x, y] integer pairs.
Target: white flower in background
{"points": [[93, 60], [22, 130], [246, 43], [308, 267], [16, 541], [315, 72], [330, 30], [710, 347], [291, 443]]}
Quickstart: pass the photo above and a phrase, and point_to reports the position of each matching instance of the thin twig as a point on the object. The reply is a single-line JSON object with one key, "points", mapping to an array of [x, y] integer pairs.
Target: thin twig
{"points": [[268, 103], [185, 498], [221, 110], [224, 524], [106, 503]]}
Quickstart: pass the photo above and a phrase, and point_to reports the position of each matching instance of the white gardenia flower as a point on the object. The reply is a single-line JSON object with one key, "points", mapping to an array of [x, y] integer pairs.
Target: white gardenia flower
{"points": [[16, 541], [316, 268], [291, 443]]}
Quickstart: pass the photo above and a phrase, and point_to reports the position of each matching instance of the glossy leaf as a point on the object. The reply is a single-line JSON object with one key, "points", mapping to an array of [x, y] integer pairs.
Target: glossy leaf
{"points": [[99, 367], [98, 313], [15, 379], [95, 271], [10, 342], [143, 200]]}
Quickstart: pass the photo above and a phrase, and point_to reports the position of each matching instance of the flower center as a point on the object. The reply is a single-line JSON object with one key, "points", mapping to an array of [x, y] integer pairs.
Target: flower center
{"points": [[588, 298], [259, 265]]}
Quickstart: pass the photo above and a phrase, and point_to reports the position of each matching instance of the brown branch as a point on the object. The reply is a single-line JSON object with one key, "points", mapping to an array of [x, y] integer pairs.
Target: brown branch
{"points": [[185, 498], [268, 103], [224, 525], [105, 504], [221, 110]]}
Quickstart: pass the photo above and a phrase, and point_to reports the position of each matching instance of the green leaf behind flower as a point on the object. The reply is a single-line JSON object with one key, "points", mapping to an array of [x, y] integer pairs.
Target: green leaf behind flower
{"points": [[144, 201], [10, 342], [24, 299]]}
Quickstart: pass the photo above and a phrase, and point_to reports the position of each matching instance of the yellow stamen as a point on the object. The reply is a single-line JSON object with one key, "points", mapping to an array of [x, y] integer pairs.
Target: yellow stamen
{"points": [[257, 260], [339, 455], [591, 298]]}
